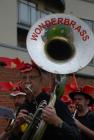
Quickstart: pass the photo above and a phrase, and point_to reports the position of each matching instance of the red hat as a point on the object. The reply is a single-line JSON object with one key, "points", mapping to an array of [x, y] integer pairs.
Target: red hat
{"points": [[83, 93], [16, 93], [66, 99]]}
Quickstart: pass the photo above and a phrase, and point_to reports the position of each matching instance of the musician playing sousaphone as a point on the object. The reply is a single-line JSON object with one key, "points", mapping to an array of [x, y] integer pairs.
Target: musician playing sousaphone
{"points": [[49, 115], [56, 44]]}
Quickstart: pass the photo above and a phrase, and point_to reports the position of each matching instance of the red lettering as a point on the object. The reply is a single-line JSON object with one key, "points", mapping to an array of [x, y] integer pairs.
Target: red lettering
{"points": [[37, 31], [78, 28], [42, 26], [67, 21], [60, 20], [56, 21], [85, 38], [53, 21], [34, 36], [73, 23], [48, 23], [83, 32]]}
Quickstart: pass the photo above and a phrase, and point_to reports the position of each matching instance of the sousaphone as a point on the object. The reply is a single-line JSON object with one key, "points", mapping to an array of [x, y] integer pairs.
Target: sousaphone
{"points": [[60, 43]]}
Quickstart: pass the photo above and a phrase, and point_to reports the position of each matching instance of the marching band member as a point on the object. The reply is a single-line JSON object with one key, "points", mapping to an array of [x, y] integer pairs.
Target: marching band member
{"points": [[18, 99], [84, 118]]}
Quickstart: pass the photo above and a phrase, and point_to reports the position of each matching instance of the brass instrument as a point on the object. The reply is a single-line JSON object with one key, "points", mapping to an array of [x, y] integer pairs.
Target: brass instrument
{"points": [[38, 125], [76, 110], [74, 114], [33, 127], [11, 123], [57, 44]]}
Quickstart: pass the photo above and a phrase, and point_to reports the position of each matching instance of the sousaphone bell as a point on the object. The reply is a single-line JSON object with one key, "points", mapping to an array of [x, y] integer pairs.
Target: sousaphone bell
{"points": [[60, 43]]}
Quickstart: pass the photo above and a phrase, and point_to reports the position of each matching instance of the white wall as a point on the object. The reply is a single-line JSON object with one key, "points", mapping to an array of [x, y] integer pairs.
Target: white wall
{"points": [[80, 9], [8, 22]]}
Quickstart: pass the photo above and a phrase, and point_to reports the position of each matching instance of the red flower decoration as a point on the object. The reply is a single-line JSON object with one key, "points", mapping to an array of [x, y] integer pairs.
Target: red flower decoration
{"points": [[66, 99], [6, 86], [9, 86], [71, 86]]}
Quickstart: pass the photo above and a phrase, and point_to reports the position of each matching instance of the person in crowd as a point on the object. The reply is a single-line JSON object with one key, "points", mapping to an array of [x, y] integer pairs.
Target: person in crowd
{"points": [[60, 124], [71, 107], [84, 118], [18, 98], [70, 104]]}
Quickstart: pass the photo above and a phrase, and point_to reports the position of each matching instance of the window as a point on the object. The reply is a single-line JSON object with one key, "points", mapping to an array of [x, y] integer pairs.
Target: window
{"points": [[28, 14], [33, 15], [24, 14], [21, 37]]}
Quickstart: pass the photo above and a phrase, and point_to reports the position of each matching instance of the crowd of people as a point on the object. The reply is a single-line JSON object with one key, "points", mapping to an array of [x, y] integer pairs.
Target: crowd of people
{"points": [[72, 121]]}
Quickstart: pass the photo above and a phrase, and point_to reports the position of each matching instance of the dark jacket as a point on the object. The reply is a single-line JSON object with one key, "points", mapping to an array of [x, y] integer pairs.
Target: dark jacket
{"points": [[68, 131], [88, 121]]}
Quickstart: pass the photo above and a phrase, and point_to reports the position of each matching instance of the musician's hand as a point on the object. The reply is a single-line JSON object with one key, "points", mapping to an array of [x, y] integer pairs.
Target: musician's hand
{"points": [[50, 116], [78, 123], [21, 118]]}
